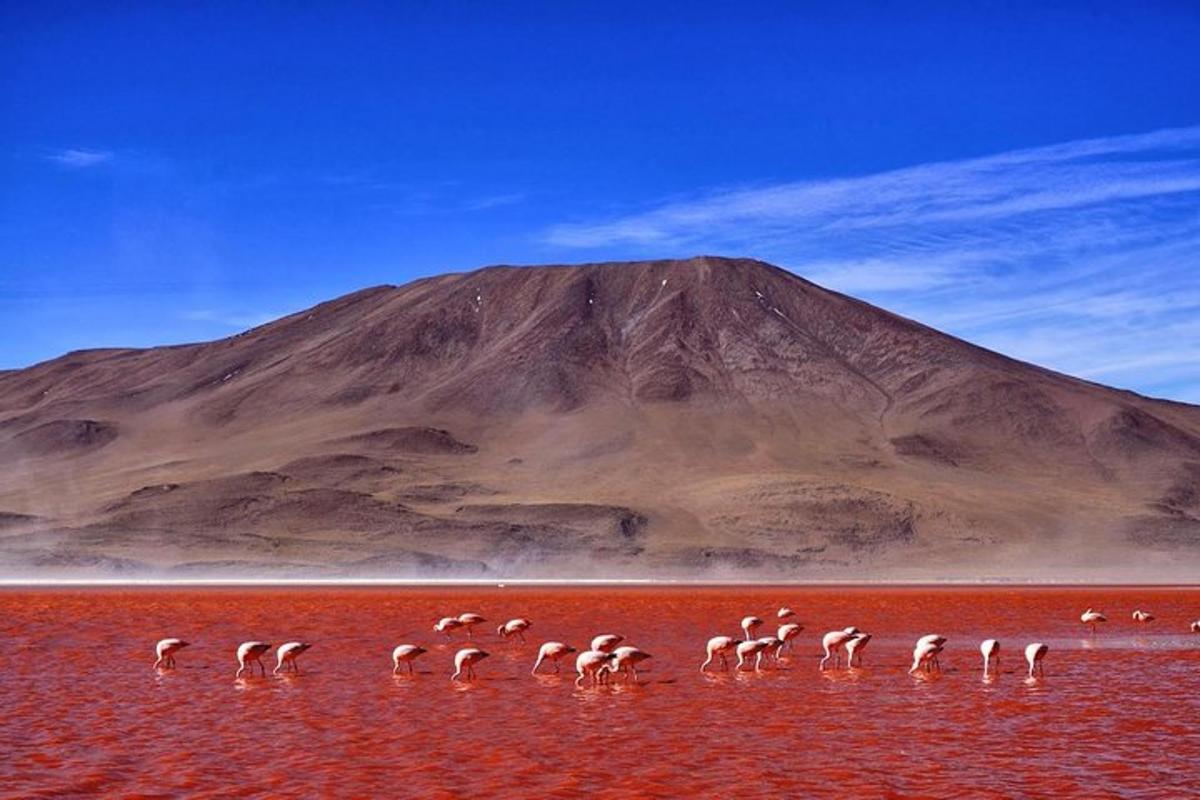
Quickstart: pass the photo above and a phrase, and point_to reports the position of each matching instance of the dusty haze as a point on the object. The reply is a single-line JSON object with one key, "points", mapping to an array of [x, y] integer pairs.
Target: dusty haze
{"points": [[697, 419]]}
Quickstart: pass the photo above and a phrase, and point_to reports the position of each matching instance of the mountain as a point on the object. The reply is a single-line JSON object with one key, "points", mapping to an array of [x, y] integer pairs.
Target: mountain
{"points": [[697, 419]]}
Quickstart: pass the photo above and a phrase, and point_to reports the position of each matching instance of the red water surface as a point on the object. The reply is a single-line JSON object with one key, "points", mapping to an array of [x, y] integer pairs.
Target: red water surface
{"points": [[82, 712]]}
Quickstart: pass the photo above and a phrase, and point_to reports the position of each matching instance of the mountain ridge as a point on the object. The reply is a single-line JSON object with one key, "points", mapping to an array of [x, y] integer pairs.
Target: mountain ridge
{"points": [[758, 424]]}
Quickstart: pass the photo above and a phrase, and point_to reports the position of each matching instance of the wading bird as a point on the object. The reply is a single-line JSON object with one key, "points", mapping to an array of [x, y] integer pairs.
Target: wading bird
{"points": [[593, 665], [469, 621], [625, 661], [750, 625], [832, 643], [465, 661], [720, 647], [1196, 626], [1092, 618], [405, 654], [249, 652], [1142, 616], [755, 648], [285, 656], [771, 647], [1034, 654], [925, 656], [785, 613], [990, 650], [938, 640], [446, 625], [606, 642], [514, 627], [553, 652], [854, 647], [166, 650], [788, 632]]}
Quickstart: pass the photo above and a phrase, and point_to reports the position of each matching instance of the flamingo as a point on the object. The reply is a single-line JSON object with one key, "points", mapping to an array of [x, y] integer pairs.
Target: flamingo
{"points": [[1196, 626], [753, 647], [938, 640], [248, 652], [788, 632], [1090, 618], [785, 613], [925, 656], [771, 647], [990, 649], [552, 651], [1034, 654], [720, 647], [833, 641], [405, 653], [465, 660], [750, 625], [446, 625], [606, 642], [166, 650], [514, 627], [626, 659], [286, 655], [854, 647], [594, 665], [469, 621], [1142, 616]]}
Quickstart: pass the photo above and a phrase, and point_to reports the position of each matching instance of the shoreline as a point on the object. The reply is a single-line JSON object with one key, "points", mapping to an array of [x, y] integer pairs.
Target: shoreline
{"points": [[568, 583]]}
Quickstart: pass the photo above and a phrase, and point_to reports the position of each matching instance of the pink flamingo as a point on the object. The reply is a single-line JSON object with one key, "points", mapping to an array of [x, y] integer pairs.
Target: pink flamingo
{"points": [[166, 650], [1196, 626], [1092, 618], [750, 625], [514, 627], [446, 625], [1142, 616], [593, 665], [405, 654], [1034, 654], [990, 649], [469, 621], [248, 652], [938, 640], [465, 661], [854, 647], [771, 647], [785, 613], [625, 661], [606, 642], [753, 647], [720, 647], [286, 655], [925, 655], [832, 643], [788, 632], [552, 652]]}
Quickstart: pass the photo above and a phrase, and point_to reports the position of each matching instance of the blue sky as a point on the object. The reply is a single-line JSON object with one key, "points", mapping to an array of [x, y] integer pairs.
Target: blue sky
{"points": [[1022, 176]]}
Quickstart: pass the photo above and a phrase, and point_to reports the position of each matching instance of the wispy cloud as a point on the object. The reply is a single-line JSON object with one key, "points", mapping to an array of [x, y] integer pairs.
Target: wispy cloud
{"points": [[495, 201], [78, 158], [1082, 256]]}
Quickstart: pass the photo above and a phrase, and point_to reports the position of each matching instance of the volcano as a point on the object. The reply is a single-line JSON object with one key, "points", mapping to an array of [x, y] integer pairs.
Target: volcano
{"points": [[696, 419]]}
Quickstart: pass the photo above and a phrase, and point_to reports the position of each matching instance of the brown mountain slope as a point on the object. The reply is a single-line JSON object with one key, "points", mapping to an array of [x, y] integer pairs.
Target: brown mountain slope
{"points": [[706, 418]]}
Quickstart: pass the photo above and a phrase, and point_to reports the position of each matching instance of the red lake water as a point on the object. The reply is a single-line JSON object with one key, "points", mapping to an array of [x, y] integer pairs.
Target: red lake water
{"points": [[82, 711]]}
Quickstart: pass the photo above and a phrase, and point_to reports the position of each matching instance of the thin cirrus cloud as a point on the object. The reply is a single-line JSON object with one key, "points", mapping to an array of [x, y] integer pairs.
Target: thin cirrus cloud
{"points": [[1082, 256], [79, 158]]}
